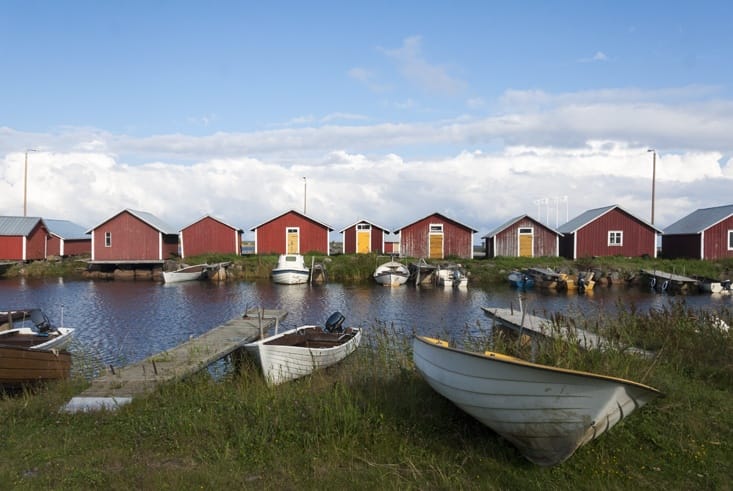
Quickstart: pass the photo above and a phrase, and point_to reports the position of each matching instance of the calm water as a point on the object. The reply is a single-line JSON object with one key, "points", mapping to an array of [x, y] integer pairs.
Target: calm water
{"points": [[125, 321]]}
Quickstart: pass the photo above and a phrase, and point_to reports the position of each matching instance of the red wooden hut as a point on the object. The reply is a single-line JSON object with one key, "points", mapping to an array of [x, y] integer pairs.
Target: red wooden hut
{"points": [[133, 236], [67, 239], [608, 231], [706, 233], [436, 237], [22, 238], [522, 236], [292, 233], [364, 237], [209, 235]]}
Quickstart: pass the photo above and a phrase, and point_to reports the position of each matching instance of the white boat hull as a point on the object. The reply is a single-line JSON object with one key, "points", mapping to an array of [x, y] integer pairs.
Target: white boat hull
{"points": [[546, 412], [391, 273], [290, 270], [176, 277], [58, 339], [281, 363], [289, 277]]}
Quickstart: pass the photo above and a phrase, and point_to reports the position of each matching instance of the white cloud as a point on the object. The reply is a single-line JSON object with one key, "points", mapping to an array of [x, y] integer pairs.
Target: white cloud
{"points": [[429, 77], [588, 146]]}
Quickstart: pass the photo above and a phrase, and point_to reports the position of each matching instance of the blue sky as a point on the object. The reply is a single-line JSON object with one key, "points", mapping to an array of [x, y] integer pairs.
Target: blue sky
{"points": [[391, 110]]}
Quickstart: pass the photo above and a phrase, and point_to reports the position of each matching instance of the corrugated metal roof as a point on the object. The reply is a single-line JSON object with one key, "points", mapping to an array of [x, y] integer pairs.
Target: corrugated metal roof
{"points": [[146, 217], [17, 225], [66, 230], [330, 229], [699, 220], [440, 215], [363, 221], [511, 222], [215, 219], [588, 216]]}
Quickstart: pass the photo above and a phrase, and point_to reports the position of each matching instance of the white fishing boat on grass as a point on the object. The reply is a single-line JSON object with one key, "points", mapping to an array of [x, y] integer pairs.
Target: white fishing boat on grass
{"points": [[391, 273], [546, 412], [290, 270], [299, 352]]}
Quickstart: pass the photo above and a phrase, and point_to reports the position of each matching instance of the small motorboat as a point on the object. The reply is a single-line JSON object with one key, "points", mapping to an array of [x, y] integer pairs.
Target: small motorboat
{"points": [[299, 352], [521, 280], [391, 273], [32, 349], [451, 276], [290, 270]]}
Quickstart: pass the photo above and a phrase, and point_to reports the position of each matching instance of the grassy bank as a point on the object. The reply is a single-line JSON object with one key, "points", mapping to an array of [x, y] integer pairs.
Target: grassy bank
{"points": [[373, 423], [360, 267]]}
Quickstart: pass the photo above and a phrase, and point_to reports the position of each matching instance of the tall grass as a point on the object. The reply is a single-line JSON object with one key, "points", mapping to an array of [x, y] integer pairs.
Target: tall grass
{"points": [[372, 423]]}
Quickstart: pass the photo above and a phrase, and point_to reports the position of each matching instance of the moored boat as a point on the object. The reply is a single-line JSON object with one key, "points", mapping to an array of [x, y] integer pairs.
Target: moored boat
{"points": [[451, 276], [299, 352], [391, 273], [31, 348], [521, 280], [290, 270], [547, 413], [186, 273]]}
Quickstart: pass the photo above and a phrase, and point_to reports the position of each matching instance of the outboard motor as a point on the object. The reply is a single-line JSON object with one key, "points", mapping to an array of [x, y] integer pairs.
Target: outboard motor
{"points": [[41, 321], [335, 322]]}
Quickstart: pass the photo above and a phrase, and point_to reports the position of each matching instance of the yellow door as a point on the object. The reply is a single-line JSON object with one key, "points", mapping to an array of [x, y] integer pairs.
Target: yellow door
{"points": [[525, 245], [292, 242], [436, 246], [363, 242]]}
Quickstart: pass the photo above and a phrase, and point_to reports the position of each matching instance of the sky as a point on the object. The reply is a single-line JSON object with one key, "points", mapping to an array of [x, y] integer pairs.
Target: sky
{"points": [[386, 111]]}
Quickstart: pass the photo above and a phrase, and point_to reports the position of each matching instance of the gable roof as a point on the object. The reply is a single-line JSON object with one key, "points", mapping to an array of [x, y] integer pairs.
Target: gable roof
{"points": [[591, 215], [363, 221], [699, 220], [146, 217], [18, 225], [297, 213], [440, 215], [66, 230], [215, 219], [514, 220]]}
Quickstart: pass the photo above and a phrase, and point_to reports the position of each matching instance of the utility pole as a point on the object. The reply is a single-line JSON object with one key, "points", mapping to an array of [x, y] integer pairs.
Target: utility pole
{"points": [[305, 195], [654, 176]]}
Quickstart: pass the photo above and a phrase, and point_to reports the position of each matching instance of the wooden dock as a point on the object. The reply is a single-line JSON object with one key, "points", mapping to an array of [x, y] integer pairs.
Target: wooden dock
{"points": [[664, 281], [119, 385], [534, 326]]}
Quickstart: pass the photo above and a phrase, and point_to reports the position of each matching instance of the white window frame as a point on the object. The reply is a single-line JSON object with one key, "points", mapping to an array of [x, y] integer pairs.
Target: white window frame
{"points": [[436, 228], [364, 226], [615, 238], [108, 239], [730, 240]]}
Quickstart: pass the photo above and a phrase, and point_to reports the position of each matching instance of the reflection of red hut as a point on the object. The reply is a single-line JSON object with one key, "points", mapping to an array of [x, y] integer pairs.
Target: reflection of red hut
{"points": [[436, 237], [209, 235], [67, 239], [522, 236], [133, 236], [364, 237], [22, 238], [291, 233]]}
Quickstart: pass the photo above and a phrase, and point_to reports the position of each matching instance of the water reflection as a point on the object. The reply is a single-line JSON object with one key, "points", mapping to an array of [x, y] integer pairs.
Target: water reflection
{"points": [[125, 321]]}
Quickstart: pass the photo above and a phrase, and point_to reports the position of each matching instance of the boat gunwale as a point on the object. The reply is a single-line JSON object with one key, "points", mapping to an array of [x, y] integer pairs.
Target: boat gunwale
{"points": [[502, 358]]}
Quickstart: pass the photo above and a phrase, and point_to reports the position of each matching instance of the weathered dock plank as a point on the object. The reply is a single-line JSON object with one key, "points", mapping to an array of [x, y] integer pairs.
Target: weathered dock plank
{"points": [[532, 325], [119, 385]]}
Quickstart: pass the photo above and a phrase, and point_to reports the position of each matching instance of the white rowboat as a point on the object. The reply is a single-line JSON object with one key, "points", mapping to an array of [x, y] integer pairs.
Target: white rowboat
{"points": [[392, 273], [546, 412], [299, 352]]}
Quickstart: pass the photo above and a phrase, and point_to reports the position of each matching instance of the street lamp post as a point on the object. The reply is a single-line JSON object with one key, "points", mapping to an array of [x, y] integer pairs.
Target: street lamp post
{"points": [[654, 176], [25, 182]]}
